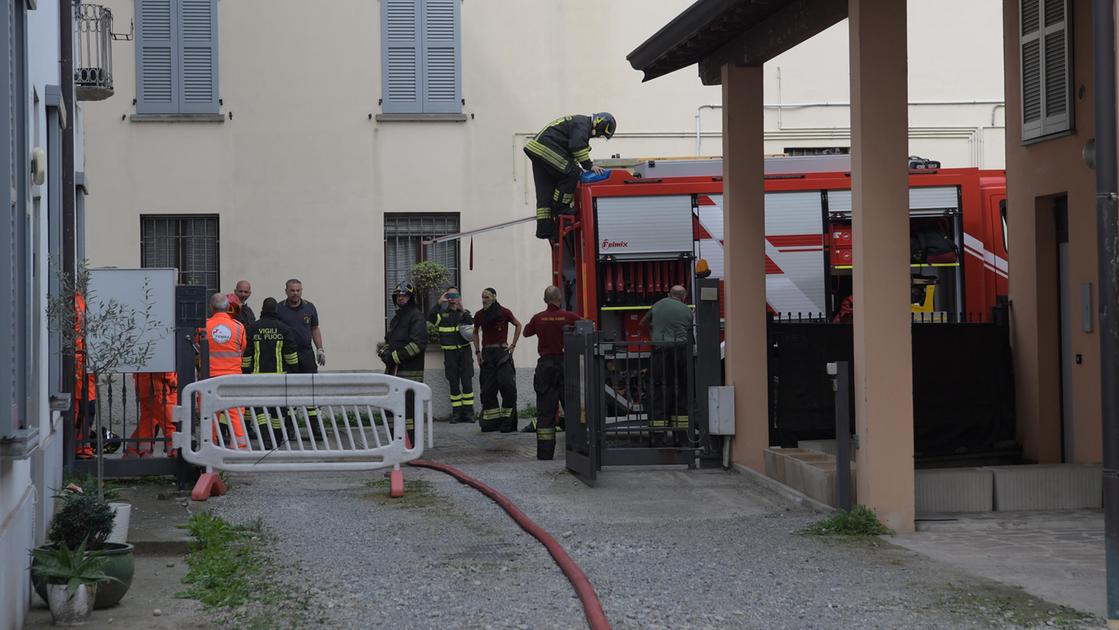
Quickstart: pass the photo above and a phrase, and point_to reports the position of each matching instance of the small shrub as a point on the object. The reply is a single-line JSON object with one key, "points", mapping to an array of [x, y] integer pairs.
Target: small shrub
{"points": [[860, 521], [83, 519], [527, 412]]}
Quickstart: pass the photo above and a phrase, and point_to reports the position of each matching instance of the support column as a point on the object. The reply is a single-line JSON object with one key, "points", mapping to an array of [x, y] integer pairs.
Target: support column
{"points": [[880, 202], [744, 259]]}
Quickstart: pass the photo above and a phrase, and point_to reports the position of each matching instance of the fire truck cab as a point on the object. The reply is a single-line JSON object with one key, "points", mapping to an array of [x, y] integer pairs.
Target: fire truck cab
{"points": [[641, 230]]}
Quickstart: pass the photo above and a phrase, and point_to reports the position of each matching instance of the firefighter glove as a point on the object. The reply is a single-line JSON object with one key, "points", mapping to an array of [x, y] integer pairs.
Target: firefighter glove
{"points": [[321, 357]]}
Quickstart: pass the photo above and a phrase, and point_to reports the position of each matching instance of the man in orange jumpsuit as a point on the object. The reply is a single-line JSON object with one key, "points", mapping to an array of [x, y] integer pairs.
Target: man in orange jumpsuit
{"points": [[85, 387], [226, 339], [158, 393]]}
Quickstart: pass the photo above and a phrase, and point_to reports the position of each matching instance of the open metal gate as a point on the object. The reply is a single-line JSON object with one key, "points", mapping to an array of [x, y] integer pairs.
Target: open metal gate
{"points": [[629, 402]]}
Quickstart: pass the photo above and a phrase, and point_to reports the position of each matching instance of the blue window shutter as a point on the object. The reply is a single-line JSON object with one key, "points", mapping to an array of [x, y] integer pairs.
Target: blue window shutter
{"points": [[400, 57], [198, 56], [442, 92], [157, 90]]}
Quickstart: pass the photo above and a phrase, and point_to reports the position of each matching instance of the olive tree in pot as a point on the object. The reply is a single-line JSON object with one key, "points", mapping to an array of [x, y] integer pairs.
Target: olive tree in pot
{"points": [[105, 337], [70, 579], [86, 521], [429, 279]]}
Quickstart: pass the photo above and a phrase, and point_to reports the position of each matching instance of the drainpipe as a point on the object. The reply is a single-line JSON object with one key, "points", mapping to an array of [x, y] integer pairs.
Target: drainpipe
{"points": [[1103, 61], [69, 251], [697, 125]]}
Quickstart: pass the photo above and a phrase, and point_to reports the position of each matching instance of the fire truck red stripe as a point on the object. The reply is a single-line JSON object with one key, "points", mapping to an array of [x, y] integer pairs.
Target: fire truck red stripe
{"points": [[796, 240]]}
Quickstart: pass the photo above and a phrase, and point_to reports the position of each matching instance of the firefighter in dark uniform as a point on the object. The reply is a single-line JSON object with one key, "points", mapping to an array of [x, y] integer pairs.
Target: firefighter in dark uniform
{"points": [[548, 326], [559, 153], [271, 349], [495, 359], [403, 352], [458, 363]]}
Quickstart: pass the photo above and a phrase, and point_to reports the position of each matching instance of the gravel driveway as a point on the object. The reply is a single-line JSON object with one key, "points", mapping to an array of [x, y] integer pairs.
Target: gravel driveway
{"points": [[663, 548]]}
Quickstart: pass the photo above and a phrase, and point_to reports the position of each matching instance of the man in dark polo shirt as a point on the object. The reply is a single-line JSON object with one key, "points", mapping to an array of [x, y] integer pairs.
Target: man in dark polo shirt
{"points": [[303, 319], [495, 358], [547, 326]]}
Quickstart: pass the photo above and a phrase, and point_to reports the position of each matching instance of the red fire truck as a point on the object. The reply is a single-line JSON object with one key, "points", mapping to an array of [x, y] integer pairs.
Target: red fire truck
{"points": [[641, 230]]}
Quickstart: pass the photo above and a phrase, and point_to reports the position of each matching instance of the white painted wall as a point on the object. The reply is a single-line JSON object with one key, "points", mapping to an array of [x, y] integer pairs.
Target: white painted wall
{"points": [[302, 177], [26, 485]]}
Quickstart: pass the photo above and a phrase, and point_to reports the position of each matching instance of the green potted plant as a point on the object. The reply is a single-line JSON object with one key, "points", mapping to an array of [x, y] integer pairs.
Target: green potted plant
{"points": [[86, 520], [70, 578]]}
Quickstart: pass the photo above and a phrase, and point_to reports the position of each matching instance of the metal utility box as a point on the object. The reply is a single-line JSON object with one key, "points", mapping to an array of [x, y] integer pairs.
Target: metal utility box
{"points": [[720, 409]]}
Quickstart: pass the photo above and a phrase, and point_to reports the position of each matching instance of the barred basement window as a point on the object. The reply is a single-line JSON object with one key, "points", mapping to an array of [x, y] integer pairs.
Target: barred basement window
{"points": [[404, 236], [188, 243]]}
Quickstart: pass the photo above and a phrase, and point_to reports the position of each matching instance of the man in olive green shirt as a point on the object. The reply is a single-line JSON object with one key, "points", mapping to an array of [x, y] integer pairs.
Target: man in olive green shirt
{"points": [[671, 322], [670, 318]]}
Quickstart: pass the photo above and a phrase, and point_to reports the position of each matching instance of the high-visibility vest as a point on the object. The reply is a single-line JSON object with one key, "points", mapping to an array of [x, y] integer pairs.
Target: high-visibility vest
{"points": [[226, 339]]}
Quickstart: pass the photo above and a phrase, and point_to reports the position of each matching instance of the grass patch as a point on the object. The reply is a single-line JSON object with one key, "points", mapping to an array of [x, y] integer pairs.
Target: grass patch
{"points": [[230, 570], [528, 412], [224, 560], [860, 521]]}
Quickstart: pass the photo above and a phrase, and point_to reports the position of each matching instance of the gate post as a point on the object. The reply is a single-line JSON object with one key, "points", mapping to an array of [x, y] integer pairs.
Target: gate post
{"points": [[708, 370], [190, 315]]}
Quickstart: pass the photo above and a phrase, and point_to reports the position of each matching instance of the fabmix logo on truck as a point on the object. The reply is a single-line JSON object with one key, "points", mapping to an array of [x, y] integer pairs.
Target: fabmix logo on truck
{"points": [[609, 244]]}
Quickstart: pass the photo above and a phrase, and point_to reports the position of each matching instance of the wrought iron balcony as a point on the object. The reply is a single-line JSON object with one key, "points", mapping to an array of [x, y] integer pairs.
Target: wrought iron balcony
{"points": [[93, 52]]}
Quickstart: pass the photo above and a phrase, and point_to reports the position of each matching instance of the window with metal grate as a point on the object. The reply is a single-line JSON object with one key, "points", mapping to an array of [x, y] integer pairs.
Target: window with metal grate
{"points": [[187, 242], [404, 237]]}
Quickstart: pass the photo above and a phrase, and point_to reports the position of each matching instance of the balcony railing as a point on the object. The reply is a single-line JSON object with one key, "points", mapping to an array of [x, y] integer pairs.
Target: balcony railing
{"points": [[93, 52]]}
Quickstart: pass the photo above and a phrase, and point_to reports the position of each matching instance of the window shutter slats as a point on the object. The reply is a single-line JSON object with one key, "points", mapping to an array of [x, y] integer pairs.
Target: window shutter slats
{"points": [[1045, 68], [156, 87], [198, 69], [1031, 82], [1056, 78], [441, 57], [400, 56]]}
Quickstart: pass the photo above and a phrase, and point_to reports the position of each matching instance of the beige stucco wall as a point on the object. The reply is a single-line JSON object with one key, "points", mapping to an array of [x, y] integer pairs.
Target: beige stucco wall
{"points": [[302, 177], [1037, 173]]}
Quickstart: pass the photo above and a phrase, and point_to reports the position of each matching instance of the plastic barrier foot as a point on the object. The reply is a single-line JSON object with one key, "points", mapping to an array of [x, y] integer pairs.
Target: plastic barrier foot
{"points": [[210, 484], [396, 483]]}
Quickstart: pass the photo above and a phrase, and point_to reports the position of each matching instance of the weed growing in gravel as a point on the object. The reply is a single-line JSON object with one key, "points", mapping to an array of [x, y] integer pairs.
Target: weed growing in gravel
{"points": [[223, 561], [860, 521], [229, 569], [527, 412]]}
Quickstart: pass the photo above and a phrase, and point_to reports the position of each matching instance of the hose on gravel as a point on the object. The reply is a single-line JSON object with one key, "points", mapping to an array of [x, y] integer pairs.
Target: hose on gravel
{"points": [[592, 607]]}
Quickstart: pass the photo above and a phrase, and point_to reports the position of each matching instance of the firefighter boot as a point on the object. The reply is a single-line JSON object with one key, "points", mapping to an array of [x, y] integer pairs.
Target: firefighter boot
{"points": [[509, 423], [545, 223], [545, 443], [530, 427]]}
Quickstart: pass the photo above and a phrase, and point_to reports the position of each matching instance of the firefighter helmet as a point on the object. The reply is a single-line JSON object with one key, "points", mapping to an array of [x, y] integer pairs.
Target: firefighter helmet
{"points": [[404, 287], [234, 303], [604, 125]]}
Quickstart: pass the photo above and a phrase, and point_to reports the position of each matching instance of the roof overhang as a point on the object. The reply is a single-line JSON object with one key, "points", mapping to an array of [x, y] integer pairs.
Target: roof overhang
{"points": [[713, 33]]}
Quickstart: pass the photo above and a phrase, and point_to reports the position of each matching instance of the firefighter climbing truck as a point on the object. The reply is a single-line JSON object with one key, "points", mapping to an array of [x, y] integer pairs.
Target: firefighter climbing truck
{"points": [[637, 232]]}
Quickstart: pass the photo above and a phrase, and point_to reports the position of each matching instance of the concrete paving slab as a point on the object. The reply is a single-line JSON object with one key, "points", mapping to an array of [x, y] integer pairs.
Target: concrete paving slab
{"points": [[1058, 556]]}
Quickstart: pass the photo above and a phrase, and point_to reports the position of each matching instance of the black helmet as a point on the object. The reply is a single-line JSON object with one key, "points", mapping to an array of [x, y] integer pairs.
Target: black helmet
{"points": [[603, 125], [404, 287]]}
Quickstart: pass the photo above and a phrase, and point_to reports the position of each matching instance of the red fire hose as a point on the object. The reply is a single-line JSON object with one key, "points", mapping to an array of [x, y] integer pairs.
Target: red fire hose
{"points": [[591, 606]]}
